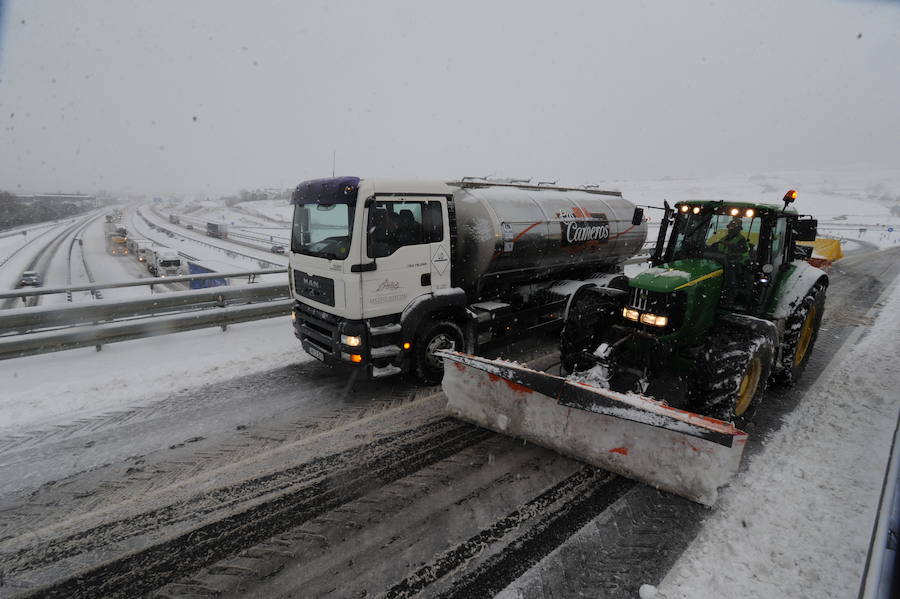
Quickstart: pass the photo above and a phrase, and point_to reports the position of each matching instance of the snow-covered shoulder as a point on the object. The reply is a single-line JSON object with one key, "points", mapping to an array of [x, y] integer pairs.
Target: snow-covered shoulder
{"points": [[798, 522]]}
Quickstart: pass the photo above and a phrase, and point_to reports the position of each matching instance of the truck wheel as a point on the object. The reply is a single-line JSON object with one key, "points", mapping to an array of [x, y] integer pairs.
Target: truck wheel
{"points": [[588, 314], [733, 375], [800, 333], [439, 334]]}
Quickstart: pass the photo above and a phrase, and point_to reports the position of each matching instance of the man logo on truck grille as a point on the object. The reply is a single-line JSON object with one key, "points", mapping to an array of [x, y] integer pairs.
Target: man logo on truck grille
{"points": [[580, 226]]}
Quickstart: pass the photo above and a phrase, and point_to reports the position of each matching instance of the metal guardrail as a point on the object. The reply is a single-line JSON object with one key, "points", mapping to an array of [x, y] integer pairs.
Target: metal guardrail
{"points": [[37, 330], [39, 343], [21, 321], [881, 578], [250, 274]]}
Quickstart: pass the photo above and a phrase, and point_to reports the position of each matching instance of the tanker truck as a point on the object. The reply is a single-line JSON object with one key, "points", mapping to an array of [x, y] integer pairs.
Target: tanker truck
{"points": [[386, 272]]}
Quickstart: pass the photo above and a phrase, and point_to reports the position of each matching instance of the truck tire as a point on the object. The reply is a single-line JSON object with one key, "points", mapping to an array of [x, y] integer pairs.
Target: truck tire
{"points": [[733, 373], [588, 315], [435, 335], [800, 333]]}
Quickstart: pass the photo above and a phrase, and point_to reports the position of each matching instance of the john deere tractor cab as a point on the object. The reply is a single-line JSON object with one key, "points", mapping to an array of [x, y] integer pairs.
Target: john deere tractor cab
{"points": [[728, 302]]}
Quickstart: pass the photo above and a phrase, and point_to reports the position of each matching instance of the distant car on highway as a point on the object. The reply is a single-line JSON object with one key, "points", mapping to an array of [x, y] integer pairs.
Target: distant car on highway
{"points": [[277, 249], [30, 278], [189, 227]]}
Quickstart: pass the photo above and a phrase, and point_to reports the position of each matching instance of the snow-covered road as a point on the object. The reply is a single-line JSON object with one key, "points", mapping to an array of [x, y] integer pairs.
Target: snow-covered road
{"points": [[206, 416]]}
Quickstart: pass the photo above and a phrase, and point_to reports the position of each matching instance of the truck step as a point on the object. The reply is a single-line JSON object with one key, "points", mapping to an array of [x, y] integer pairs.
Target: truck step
{"points": [[387, 351], [388, 329], [388, 370]]}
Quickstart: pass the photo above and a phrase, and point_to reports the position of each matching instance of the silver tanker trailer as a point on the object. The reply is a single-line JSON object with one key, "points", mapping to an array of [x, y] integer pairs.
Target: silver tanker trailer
{"points": [[385, 272]]}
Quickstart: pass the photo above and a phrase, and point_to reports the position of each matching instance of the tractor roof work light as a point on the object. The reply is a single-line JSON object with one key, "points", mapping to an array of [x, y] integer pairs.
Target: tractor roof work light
{"points": [[789, 197]]}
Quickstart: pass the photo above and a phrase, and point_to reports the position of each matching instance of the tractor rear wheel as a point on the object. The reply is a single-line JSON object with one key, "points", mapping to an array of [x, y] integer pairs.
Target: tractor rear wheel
{"points": [[800, 333], [732, 375]]}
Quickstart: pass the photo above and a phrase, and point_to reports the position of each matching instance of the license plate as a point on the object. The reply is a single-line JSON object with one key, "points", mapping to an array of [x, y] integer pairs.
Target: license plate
{"points": [[316, 354]]}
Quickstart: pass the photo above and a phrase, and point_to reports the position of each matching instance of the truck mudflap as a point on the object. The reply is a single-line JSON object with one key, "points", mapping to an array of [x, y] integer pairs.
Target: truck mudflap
{"points": [[635, 436]]}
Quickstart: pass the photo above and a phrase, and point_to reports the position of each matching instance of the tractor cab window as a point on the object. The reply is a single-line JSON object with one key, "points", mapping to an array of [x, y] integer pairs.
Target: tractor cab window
{"points": [[736, 237], [778, 234]]}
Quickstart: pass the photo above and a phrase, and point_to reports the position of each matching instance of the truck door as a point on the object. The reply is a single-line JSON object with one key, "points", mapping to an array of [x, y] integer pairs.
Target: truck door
{"points": [[397, 244], [437, 229]]}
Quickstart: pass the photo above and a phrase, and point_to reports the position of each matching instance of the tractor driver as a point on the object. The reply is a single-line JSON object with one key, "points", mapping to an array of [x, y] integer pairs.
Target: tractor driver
{"points": [[736, 252], [733, 246]]}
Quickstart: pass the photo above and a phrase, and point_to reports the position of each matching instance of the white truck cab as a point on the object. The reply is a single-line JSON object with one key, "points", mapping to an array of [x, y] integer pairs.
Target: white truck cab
{"points": [[166, 263]]}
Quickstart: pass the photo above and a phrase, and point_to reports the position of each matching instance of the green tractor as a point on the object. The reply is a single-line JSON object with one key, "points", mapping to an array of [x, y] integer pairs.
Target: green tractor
{"points": [[729, 303]]}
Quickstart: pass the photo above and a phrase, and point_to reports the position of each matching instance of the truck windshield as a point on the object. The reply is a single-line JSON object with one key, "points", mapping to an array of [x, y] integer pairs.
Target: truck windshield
{"points": [[323, 217]]}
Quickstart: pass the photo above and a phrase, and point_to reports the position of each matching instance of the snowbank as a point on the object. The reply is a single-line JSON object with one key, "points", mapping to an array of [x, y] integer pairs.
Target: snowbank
{"points": [[64, 386], [798, 522]]}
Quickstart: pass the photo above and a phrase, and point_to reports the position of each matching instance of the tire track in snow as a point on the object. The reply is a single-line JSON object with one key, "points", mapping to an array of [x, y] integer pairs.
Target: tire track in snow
{"points": [[267, 506]]}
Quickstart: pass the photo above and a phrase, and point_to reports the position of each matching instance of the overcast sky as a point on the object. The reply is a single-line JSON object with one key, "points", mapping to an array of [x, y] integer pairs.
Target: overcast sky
{"points": [[213, 96]]}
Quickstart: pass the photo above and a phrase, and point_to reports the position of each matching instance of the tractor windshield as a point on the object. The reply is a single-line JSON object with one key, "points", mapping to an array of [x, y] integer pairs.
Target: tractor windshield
{"points": [[734, 236]]}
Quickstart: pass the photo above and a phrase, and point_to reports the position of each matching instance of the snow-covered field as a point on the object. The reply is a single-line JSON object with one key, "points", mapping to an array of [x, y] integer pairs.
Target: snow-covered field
{"points": [[271, 210], [844, 202]]}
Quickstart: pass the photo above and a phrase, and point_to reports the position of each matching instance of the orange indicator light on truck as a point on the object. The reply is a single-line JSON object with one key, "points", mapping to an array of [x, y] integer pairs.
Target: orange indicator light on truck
{"points": [[406, 345], [355, 358]]}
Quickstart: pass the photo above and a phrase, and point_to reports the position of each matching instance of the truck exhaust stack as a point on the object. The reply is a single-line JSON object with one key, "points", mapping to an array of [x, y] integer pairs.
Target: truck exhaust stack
{"points": [[643, 439]]}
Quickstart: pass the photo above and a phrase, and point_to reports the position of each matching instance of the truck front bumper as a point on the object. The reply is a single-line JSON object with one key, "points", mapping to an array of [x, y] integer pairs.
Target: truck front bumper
{"points": [[322, 335]]}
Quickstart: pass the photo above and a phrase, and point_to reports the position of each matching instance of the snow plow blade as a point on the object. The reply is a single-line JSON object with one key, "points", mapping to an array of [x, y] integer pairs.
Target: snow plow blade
{"points": [[640, 438]]}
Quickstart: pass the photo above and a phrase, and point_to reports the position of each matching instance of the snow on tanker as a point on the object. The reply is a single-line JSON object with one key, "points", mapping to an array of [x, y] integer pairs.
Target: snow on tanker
{"points": [[384, 273]]}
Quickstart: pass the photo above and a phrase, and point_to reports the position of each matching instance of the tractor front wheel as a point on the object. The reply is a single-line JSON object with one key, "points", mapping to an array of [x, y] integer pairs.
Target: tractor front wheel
{"points": [[733, 373]]}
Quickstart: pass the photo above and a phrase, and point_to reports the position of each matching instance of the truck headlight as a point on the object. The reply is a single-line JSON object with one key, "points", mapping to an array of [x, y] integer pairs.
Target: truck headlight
{"points": [[351, 340], [654, 320]]}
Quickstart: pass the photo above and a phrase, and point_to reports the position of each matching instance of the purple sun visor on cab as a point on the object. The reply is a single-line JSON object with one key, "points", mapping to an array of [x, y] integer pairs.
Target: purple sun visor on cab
{"points": [[331, 190]]}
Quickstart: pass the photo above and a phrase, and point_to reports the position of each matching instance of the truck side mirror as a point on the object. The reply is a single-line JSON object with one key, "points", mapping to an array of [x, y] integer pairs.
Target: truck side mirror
{"points": [[638, 216], [805, 230]]}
